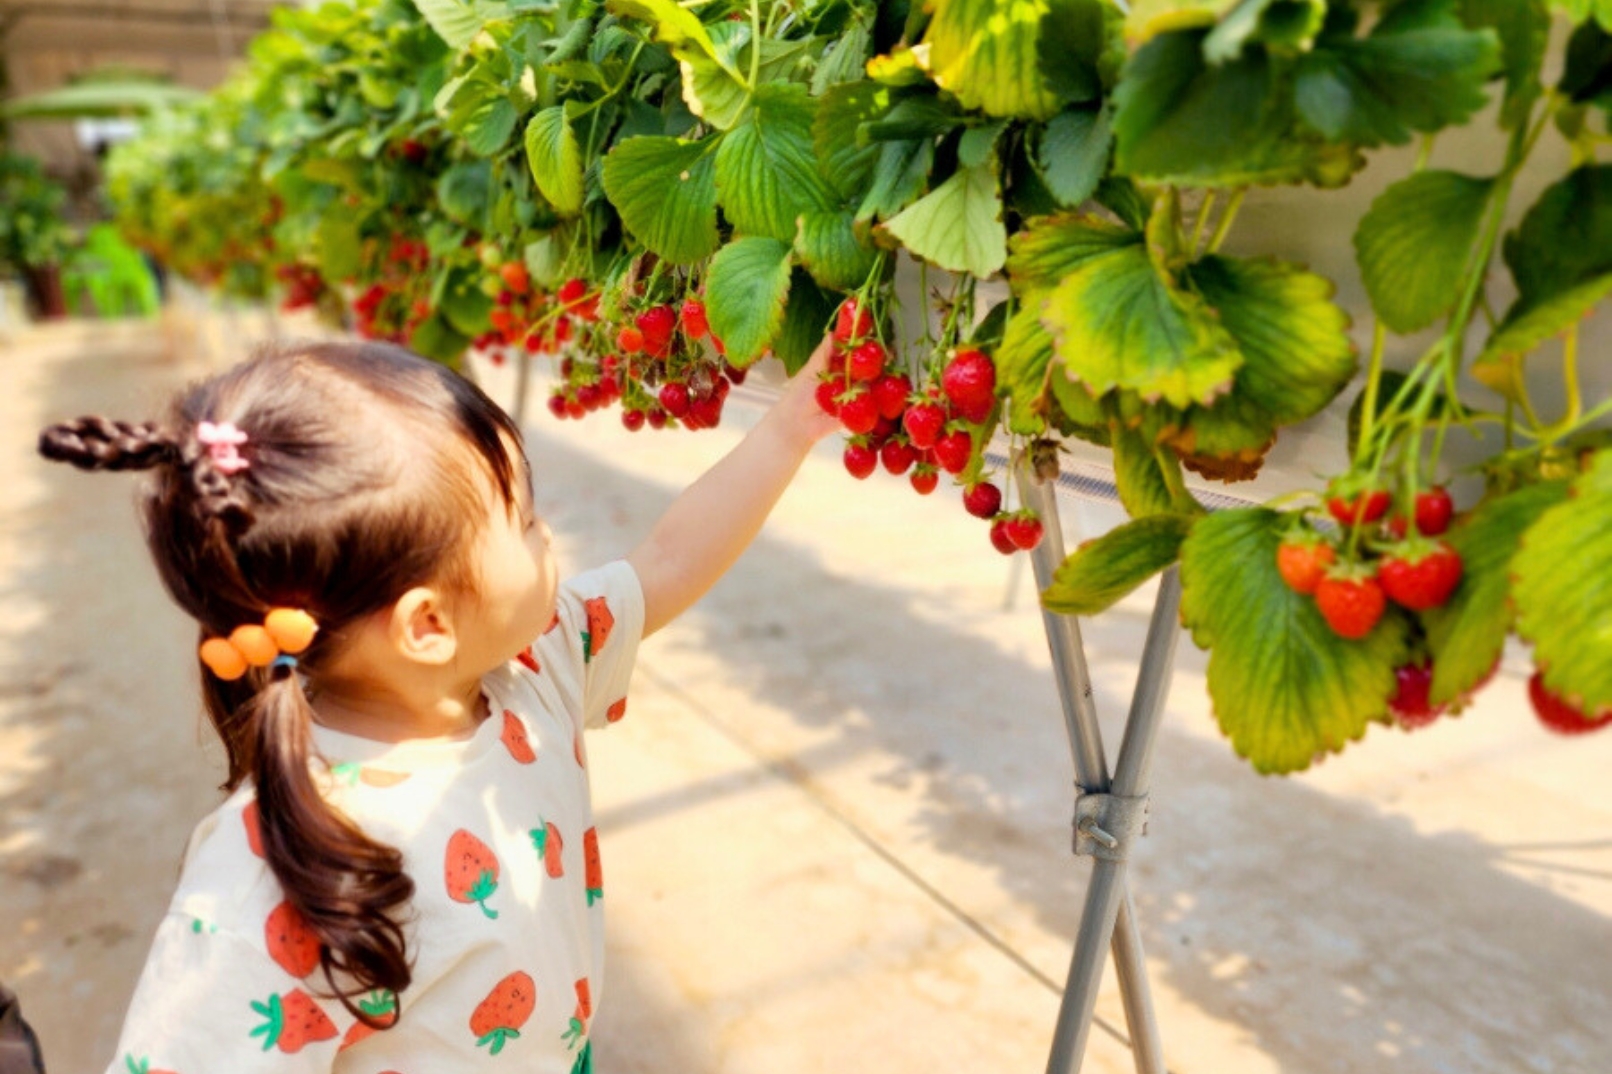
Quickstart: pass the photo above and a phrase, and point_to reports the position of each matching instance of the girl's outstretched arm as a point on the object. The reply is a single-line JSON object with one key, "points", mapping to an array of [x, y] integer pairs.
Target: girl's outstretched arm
{"points": [[707, 527]]}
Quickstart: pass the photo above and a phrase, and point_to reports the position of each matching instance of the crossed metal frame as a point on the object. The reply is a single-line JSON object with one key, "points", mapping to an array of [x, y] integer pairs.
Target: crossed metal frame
{"points": [[1110, 810]]}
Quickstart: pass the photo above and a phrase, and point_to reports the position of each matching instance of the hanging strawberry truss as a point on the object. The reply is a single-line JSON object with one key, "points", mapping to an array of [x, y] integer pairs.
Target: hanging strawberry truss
{"points": [[657, 194]]}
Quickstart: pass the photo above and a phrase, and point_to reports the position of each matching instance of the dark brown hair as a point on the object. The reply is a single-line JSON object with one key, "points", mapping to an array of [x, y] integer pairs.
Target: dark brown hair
{"points": [[367, 466]]}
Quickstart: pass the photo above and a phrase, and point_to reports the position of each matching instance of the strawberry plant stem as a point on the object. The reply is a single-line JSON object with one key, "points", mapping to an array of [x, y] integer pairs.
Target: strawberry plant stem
{"points": [[1202, 221], [1226, 219], [1374, 375]]}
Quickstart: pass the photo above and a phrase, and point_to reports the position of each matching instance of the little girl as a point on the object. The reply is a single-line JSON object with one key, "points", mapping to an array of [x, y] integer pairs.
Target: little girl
{"points": [[405, 875]]}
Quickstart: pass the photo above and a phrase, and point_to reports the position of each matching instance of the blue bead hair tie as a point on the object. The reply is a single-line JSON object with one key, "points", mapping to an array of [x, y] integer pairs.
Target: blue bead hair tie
{"points": [[283, 666]]}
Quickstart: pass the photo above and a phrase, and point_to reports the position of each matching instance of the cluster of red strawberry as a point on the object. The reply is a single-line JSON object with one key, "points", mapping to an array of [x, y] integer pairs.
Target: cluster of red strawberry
{"points": [[527, 317], [303, 286], [888, 422], [392, 307], [1416, 572]]}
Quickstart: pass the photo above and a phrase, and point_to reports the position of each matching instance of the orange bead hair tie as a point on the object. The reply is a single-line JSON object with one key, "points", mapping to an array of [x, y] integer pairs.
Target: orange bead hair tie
{"points": [[284, 631]]}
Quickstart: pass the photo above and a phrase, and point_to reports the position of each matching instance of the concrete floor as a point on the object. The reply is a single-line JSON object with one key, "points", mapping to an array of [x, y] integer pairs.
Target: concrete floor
{"points": [[836, 820]]}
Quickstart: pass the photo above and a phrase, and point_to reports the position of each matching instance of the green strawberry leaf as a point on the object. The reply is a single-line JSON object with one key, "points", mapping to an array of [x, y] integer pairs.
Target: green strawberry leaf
{"points": [[846, 163], [746, 289], [806, 318], [1499, 366], [337, 245], [1081, 48], [465, 191], [1233, 427], [899, 176], [555, 157], [1414, 242], [483, 115], [845, 60], [1146, 19], [1104, 570], [1566, 236], [1297, 355], [1587, 69], [1419, 69], [1074, 153], [1022, 360], [457, 23], [987, 59], [665, 191], [957, 226], [1287, 26], [831, 251], [1523, 29], [1178, 120], [1041, 255], [1467, 633], [765, 175], [1137, 478], [1580, 10], [1562, 588], [1119, 322], [713, 86], [1284, 686]]}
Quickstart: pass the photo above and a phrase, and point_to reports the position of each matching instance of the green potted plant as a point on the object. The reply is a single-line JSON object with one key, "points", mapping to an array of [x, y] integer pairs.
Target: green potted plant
{"points": [[33, 237]]}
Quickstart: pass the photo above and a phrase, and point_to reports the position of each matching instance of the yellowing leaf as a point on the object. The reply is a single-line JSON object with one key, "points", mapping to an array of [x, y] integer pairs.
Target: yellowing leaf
{"points": [[958, 226], [1099, 573], [984, 52]]}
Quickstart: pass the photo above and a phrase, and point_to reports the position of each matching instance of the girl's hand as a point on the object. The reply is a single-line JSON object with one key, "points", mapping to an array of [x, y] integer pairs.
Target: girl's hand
{"points": [[798, 407]]}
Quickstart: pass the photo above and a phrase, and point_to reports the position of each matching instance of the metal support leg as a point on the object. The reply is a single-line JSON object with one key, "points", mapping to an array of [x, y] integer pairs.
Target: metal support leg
{"points": [[1107, 920]]}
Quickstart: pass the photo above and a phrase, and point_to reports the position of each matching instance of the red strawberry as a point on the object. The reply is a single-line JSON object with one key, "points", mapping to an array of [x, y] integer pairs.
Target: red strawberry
{"points": [[1421, 575], [674, 398], [983, 500], [630, 340], [572, 290], [694, 322], [633, 420], [1556, 714], [952, 451], [290, 941], [1410, 705], [852, 322], [924, 423], [600, 623], [1024, 529], [1368, 506], [860, 459], [1302, 563], [969, 382], [380, 1005], [890, 393], [897, 455], [499, 1017], [1000, 539], [616, 711], [514, 275], [515, 740], [592, 872], [866, 361], [1434, 509], [657, 324], [1350, 602], [471, 871], [292, 1021], [526, 657], [254, 828], [550, 847], [924, 479], [859, 413]]}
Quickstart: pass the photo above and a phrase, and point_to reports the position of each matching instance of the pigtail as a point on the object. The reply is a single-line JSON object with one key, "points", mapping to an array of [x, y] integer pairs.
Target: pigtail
{"points": [[95, 443], [342, 882]]}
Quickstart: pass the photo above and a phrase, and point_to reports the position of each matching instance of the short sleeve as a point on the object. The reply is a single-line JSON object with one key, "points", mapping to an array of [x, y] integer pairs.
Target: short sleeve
{"points": [[209, 1001], [590, 648]]}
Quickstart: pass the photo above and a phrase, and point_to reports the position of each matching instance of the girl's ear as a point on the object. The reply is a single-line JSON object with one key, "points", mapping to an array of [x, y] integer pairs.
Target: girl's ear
{"points": [[421, 628]]}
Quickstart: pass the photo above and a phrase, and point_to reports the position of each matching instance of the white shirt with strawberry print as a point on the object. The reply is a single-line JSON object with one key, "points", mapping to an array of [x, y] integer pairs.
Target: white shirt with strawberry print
{"points": [[505, 927]]}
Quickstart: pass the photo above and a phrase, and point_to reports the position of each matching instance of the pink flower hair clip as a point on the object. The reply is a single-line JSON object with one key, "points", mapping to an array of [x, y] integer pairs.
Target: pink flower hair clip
{"points": [[222, 441]]}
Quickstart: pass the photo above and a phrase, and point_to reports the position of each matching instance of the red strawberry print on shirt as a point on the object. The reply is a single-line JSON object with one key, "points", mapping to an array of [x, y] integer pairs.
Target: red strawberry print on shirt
{"points": [[499, 1017], [525, 656], [515, 740], [290, 941], [471, 871], [579, 1019], [592, 871], [600, 623], [292, 1021], [550, 848], [141, 1066], [552, 622], [616, 711], [254, 828], [380, 1004]]}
